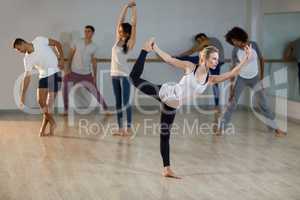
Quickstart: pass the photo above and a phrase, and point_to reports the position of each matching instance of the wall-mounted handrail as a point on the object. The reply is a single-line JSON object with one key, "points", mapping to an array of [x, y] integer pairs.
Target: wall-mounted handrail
{"points": [[158, 60]]}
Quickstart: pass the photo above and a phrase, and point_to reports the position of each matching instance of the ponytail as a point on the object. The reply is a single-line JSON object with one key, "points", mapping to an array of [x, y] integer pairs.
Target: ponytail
{"points": [[127, 28], [125, 45]]}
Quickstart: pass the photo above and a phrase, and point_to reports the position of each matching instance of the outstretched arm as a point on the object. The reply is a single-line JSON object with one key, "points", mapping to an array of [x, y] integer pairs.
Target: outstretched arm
{"points": [[214, 79], [121, 19], [132, 39], [234, 72], [196, 48], [184, 65], [191, 51]]}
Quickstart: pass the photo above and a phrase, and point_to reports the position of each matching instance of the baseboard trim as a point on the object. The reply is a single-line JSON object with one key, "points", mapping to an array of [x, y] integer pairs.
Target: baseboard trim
{"points": [[154, 107]]}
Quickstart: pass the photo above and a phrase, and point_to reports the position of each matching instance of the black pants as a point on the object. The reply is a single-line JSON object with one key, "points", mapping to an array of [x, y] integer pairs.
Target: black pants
{"points": [[167, 113]]}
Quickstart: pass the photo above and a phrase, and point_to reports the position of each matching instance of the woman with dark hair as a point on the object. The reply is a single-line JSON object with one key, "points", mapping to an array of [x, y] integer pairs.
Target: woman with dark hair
{"points": [[173, 95], [250, 76], [236, 35], [125, 41]]}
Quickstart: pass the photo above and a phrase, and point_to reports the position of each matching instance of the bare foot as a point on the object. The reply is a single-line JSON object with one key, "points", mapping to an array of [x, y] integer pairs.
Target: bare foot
{"points": [[280, 133], [168, 173], [217, 114], [42, 134], [218, 132], [215, 127], [108, 113], [128, 132], [42, 131], [120, 132], [52, 128], [64, 114]]}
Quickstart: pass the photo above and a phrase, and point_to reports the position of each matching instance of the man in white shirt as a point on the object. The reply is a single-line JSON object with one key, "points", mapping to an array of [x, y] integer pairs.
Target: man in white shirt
{"points": [[251, 75], [82, 68], [40, 55]]}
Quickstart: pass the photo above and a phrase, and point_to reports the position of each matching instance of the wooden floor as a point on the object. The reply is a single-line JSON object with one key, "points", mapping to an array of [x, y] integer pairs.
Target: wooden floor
{"points": [[74, 164]]}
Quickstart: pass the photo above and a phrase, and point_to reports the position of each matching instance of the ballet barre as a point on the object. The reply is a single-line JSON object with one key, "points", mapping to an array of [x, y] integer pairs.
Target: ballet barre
{"points": [[158, 60]]}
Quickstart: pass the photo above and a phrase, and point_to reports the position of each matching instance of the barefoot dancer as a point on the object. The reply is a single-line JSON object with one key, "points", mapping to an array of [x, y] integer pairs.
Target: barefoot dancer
{"points": [[82, 68], [125, 42], [194, 82], [201, 41], [251, 76], [40, 55]]}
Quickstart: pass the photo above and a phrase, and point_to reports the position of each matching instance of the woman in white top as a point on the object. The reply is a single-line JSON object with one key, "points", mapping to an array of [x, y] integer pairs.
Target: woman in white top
{"points": [[172, 95], [125, 41]]}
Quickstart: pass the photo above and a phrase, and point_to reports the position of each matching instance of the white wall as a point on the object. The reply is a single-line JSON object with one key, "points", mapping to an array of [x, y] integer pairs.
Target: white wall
{"points": [[279, 30], [172, 22], [279, 6]]}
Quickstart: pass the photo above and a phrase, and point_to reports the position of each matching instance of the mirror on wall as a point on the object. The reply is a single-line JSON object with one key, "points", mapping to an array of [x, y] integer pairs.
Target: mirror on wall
{"points": [[279, 30]]}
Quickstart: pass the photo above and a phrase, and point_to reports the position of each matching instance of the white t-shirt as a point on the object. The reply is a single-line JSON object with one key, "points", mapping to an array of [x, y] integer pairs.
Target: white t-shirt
{"points": [[176, 94], [42, 58], [119, 63], [250, 69], [82, 59]]}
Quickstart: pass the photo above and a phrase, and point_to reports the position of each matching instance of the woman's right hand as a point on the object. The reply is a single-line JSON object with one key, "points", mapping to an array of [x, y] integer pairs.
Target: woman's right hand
{"points": [[248, 54], [246, 58], [149, 44], [131, 3]]}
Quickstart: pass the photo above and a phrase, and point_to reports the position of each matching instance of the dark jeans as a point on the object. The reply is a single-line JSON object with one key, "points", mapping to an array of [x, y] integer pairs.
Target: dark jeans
{"points": [[121, 86]]}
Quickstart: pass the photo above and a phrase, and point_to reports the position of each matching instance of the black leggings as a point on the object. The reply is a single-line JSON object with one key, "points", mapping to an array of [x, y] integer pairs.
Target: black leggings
{"points": [[167, 114]]}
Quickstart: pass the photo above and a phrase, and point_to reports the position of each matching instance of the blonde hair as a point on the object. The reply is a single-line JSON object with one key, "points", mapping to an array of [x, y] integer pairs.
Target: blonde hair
{"points": [[205, 53]]}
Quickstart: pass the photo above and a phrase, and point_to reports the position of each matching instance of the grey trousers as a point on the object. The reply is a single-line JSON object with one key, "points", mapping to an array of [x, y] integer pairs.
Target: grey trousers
{"points": [[259, 96]]}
